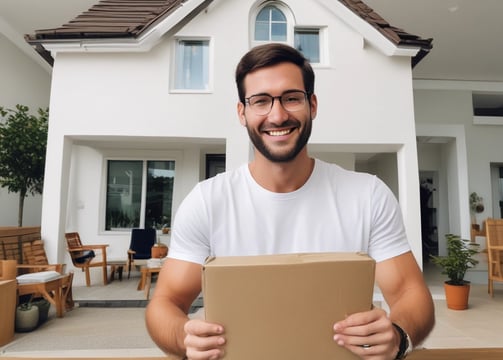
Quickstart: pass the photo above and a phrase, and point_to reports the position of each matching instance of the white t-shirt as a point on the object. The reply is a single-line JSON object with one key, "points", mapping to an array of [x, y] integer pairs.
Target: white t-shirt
{"points": [[336, 210]]}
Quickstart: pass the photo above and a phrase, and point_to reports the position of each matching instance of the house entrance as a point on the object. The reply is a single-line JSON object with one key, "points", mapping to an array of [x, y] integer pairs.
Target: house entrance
{"points": [[429, 200]]}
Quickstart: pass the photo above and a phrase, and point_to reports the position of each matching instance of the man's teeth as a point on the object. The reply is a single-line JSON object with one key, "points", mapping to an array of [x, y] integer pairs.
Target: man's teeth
{"points": [[279, 132]]}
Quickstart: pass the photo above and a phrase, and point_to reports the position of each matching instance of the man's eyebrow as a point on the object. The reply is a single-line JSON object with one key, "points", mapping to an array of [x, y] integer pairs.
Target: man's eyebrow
{"points": [[258, 94], [283, 93]]}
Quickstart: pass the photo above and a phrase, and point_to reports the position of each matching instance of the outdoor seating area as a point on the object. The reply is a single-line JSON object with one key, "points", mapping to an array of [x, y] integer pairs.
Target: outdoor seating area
{"points": [[116, 310], [120, 330], [28, 280]]}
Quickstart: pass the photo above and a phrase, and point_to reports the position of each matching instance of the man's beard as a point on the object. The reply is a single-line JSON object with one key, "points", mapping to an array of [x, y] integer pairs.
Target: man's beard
{"points": [[282, 157]]}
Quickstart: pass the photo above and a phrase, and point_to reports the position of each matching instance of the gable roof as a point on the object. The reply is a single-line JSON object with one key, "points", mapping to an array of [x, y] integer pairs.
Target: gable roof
{"points": [[130, 19], [112, 19]]}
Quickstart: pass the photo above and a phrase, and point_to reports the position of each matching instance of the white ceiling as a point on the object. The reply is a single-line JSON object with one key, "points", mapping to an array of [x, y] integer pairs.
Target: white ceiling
{"points": [[466, 33]]}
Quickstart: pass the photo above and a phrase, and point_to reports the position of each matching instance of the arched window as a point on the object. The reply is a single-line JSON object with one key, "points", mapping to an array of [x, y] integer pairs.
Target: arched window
{"points": [[274, 21], [270, 25]]}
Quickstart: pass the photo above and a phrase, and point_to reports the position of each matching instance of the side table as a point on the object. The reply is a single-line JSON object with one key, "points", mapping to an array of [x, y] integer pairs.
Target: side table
{"points": [[116, 266], [146, 279]]}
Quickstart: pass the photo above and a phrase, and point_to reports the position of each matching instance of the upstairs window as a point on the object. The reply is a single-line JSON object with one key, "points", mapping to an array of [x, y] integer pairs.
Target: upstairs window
{"points": [[271, 25], [307, 41], [192, 65]]}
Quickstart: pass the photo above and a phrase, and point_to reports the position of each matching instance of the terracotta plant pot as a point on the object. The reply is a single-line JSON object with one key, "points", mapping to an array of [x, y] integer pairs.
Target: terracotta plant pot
{"points": [[456, 296], [159, 251]]}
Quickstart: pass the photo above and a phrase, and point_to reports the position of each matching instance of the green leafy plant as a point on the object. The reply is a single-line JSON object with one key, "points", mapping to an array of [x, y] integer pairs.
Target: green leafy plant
{"points": [[23, 142], [476, 203], [26, 305], [458, 260]]}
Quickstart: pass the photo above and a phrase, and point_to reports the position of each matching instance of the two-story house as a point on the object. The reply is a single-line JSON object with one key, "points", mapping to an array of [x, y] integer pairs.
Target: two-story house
{"points": [[143, 105]]}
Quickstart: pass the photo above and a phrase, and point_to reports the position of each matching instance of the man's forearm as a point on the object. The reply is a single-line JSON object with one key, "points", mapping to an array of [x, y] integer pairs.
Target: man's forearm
{"points": [[165, 323], [417, 321]]}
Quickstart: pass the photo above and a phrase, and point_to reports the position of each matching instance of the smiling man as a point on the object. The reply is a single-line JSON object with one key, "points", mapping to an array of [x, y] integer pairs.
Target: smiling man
{"points": [[284, 202]]}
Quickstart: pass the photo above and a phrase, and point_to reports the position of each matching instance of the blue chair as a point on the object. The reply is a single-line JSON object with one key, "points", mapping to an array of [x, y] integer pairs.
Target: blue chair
{"points": [[140, 247]]}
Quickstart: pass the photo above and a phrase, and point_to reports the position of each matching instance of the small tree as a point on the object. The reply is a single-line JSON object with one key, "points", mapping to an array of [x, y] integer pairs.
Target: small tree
{"points": [[23, 142]]}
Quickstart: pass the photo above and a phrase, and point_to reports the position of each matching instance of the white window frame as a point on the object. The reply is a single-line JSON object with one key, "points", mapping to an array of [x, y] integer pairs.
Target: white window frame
{"points": [[289, 18], [175, 49], [322, 36], [144, 157]]}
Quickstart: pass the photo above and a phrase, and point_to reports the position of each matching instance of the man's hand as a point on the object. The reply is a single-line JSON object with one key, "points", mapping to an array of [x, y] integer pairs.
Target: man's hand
{"points": [[368, 334], [203, 340]]}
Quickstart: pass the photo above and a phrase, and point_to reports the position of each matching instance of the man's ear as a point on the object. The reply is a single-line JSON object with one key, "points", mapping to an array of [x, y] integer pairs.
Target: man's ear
{"points": [[241, 113], [314, 106]]}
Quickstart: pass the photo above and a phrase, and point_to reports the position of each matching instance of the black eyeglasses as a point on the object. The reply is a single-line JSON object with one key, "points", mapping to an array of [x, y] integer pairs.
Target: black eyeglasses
{"points": [[261, 104]]}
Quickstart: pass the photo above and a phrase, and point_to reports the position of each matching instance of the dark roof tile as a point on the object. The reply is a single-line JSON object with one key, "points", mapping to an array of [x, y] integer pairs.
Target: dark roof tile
{"points": [[111, 19]]}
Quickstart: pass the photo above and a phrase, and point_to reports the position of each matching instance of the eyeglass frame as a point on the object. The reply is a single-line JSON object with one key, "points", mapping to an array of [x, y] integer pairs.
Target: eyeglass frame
{"points": [[279, 97]]}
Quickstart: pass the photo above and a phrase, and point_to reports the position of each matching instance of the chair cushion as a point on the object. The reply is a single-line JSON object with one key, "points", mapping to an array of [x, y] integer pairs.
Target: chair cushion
{"points": [[38, 277], [85, 256]]}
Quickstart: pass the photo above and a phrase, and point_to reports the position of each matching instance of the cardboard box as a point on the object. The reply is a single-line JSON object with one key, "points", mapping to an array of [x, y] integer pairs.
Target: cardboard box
{"points": [[7, 310], [284, 306]]}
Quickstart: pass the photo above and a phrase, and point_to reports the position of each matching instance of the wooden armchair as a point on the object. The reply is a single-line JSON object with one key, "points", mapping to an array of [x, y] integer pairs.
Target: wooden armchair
{"points": [[494, 238], [85, 257], [35, 259]]}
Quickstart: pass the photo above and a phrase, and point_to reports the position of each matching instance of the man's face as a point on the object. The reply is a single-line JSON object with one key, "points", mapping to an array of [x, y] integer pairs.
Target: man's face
{"points": [[279, 135]]}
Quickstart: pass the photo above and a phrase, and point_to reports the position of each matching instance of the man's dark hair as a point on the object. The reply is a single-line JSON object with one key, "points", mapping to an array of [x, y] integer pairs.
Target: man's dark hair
{"points": [[269, 55]]}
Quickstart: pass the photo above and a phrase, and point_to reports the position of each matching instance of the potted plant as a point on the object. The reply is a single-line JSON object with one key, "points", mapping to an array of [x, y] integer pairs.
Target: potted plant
{"points": [[476, 203], [26, 317], [459, 259], [43, 309], [159, 250]]}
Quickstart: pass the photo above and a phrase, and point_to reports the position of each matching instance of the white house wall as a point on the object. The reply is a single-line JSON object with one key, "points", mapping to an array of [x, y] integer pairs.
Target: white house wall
{"points": [[365, 99], [447, 105]]}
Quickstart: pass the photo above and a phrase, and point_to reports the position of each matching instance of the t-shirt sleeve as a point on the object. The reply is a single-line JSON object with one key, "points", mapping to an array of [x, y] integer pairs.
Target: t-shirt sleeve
{"points": [[387, 237], [189, 239]]}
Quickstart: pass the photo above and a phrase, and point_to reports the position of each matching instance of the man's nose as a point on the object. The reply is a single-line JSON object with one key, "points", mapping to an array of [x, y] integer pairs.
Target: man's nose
{"points": [[278, 112]]}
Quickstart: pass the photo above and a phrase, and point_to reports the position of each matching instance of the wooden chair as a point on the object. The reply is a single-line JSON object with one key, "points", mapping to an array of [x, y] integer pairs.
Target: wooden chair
{"points": [[494, 237], [140, 247], [35, 259], [85, 257]]}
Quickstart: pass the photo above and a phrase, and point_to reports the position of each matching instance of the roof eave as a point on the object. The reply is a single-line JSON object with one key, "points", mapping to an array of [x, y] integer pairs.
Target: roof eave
{"points": [[416, 50], [143, 42]]}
